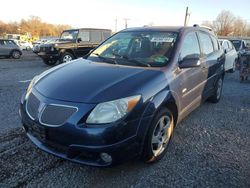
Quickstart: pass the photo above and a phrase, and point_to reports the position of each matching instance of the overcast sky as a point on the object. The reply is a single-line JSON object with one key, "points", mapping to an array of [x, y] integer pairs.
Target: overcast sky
{"points": [[102, 13]]}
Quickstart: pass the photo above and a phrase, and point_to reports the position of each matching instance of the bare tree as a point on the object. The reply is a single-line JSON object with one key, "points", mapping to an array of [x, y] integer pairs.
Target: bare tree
{"points": [[239, 27], [223, 25], [226, 24]]}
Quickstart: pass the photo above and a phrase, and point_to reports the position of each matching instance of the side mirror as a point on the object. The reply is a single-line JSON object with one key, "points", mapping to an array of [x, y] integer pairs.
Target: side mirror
{"points": [[79, 40], [225, 51], [190, 62]]}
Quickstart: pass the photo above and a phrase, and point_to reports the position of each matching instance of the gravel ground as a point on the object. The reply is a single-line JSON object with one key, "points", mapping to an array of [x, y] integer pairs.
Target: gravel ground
{"points": [[210, 148]]}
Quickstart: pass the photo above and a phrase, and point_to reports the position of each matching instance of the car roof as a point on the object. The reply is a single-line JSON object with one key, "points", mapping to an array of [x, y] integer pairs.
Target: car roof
{"points": [[178, 29], [88, 29], [6, 39]]}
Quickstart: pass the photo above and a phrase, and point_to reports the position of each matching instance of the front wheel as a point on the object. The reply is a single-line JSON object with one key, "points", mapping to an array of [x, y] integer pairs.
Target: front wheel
{"points": [[16, 54], [158, 136], [66, 57], [217, 92]]}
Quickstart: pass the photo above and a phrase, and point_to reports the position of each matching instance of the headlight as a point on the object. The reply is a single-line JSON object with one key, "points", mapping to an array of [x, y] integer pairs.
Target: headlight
{"points": [[111, 111], [33, 82]]}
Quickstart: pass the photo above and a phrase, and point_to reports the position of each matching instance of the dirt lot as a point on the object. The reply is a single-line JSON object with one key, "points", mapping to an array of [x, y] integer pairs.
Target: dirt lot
{"points": [[210, 148]]}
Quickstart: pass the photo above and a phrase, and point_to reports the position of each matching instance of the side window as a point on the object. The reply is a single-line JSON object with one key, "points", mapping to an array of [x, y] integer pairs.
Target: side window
{"points": [[84, 35], [206, 43], [190, 46], [96, 36], [230, 45], [225, 45], [215, 43]]}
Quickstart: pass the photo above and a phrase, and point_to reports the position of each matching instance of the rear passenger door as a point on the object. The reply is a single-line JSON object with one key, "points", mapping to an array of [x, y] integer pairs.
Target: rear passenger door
{"points": [[230, 56], [209, 53], [83, 46]]}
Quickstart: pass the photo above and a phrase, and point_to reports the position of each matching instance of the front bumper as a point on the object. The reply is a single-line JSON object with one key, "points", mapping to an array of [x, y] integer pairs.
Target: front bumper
{"points": [[76, 142]]}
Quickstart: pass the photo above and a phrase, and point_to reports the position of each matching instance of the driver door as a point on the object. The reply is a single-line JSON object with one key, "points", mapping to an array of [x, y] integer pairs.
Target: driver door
{"points": [[191, 80]]}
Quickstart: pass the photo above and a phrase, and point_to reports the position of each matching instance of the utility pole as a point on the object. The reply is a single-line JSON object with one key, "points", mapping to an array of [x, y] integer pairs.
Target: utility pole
{"points": [[126, 22], [115, 25], [186, 15]]}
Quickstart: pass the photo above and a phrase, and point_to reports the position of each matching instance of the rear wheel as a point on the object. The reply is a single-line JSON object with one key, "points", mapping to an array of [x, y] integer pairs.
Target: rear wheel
{"points": [[16, 54], [66, 57], [217, 92], [158, 136]]}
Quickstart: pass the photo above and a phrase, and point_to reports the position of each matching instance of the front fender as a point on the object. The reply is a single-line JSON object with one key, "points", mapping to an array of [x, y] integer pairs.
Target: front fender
{"points": [[156, 101]]}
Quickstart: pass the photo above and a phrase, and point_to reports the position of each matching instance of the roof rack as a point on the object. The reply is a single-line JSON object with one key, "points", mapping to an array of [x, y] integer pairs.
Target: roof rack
{"points": [[203, 26]]}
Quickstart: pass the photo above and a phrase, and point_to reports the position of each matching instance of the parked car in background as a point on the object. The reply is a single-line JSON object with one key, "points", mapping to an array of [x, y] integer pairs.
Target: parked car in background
{"points": [[231, 55], [124, 100], [36, 46], [24, 45], [9, 48], [72, 44], [239, 44]]}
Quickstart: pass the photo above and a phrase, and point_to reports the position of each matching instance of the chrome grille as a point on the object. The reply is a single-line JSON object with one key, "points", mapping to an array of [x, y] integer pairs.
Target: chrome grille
{"points": [[32, 106], [48, 114], [56, 115]]}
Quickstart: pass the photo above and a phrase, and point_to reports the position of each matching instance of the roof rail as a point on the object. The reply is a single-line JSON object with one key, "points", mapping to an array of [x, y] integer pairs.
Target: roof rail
{"points": [[203, 26]]}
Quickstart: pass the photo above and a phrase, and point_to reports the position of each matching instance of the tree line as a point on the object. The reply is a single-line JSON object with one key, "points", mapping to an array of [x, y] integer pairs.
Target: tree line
{"points": [[33, 25], [227, 24]]}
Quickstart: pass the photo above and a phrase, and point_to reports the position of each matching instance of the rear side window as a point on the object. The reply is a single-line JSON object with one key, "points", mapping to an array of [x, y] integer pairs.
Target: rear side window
{"points": [[206, 43], [190, 46], [84, 35], [96, 36], [215, 43]]}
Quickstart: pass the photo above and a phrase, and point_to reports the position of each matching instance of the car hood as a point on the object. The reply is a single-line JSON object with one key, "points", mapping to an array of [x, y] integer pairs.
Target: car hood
{"points": [[91, 82], [55, 43]]}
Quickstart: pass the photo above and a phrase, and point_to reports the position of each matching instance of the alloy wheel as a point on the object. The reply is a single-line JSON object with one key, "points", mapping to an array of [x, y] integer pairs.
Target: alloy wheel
{"points": [[161, 135], [67, 58]]}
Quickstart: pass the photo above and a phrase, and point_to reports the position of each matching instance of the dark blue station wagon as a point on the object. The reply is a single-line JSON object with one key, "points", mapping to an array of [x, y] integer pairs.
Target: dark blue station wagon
{"points": [[123, 100]]}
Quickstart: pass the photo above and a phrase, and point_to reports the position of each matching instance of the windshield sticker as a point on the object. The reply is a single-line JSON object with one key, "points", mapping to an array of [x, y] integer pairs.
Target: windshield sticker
{"points": [[162, 39]]}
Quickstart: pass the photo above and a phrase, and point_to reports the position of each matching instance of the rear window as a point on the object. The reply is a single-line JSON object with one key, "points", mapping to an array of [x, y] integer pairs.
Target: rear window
{"points": [[206, 43], [236, 43]]}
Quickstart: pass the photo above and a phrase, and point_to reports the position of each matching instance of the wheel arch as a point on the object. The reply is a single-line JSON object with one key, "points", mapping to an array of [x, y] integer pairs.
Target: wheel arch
{"points": [[15, 50], [62, 51], [164, 99]]}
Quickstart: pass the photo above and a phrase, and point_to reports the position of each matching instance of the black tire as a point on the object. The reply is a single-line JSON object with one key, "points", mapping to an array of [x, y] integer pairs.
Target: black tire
{"points": [[49, 62], [217, 91], [149, 154], [66, 57], [15, 54]]}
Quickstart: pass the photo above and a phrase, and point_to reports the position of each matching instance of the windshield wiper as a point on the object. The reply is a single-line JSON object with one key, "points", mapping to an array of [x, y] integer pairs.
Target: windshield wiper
{"points": [[105, 59], [132, 60]]}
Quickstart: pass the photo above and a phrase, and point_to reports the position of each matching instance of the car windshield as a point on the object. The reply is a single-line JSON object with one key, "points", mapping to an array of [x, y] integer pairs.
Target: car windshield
{"points": [[137, 48], [236, 44], [69, 35]]}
